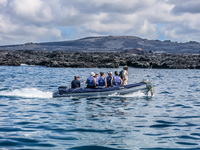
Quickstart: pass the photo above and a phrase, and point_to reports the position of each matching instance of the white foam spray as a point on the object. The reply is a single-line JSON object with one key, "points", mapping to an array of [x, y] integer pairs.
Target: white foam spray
{"points": [[135, 94], [26, 65], [27, 93]]}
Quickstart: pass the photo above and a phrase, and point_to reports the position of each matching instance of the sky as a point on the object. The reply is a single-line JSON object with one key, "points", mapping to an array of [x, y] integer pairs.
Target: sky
{"points": [[23, 21]]}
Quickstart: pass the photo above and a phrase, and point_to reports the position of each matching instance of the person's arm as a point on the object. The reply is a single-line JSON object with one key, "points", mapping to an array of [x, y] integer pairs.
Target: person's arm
{"points": [[105, 82], [124, 75], [72, 84], [79, 83], [86, 82], [121, 81], [111, 81], [95, 82]]}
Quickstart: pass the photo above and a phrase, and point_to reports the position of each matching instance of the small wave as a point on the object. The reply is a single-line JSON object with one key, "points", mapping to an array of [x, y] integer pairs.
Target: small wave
{"points": [[89, 147], [27, 93]]}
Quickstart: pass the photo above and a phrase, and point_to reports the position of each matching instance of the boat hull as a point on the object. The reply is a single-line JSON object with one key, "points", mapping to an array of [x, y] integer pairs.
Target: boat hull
{"points": [[87, 92]]}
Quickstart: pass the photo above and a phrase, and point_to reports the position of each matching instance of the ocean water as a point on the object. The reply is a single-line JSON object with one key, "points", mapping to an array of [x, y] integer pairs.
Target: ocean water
{"points": [[31, 119]]}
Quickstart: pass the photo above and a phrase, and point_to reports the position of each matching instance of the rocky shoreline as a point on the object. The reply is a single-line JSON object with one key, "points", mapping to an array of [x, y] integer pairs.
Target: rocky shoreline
{"points": [[99, 59]]}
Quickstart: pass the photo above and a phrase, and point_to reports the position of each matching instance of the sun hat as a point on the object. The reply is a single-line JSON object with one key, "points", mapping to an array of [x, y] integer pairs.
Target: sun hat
{"points": [[92, 74], [125, 66]]}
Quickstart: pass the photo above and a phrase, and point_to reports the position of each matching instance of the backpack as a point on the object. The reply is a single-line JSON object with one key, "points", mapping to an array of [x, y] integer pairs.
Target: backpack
{"points": [[121, 74]]}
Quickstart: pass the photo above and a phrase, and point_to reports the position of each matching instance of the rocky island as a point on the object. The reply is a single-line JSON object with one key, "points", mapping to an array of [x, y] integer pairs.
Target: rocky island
{"points": [[108, 52]]}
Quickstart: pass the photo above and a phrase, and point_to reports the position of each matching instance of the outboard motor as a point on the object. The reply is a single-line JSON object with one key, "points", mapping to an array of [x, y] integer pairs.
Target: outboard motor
{"points": [[62, 89]]}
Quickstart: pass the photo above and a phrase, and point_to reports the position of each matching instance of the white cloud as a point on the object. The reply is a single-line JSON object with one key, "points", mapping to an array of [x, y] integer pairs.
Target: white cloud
{"points": [[35, 11], [24, 21], [3, 2]]}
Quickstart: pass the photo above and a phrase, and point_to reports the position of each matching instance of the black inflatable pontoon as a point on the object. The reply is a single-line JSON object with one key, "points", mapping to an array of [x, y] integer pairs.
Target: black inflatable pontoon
{"points": [[90, 92]]}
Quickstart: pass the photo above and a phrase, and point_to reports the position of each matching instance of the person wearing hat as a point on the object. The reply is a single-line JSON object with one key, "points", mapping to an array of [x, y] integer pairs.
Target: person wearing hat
{"points": [[102, 80], [91, 81], [124, 75], [75, 83], [109, 79]]}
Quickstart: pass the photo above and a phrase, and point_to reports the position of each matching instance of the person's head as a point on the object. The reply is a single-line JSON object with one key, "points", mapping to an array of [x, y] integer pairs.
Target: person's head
{"points": [[116, 73], [126, 67], [76, 77], [96, 74], [102, 74], [92, 74], [109, 73]]}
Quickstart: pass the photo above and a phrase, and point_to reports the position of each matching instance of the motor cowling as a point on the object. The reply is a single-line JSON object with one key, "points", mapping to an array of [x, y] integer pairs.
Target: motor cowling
{"points": [[62, 89]]}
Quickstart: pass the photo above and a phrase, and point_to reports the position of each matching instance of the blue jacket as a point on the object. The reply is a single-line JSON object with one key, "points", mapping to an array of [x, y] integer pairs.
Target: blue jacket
{"points": [[109, 80], [102, 81], [75, 84], [116, 80], [90, 81]]}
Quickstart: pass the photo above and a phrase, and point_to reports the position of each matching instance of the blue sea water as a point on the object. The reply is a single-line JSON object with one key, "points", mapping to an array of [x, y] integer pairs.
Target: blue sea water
{"points": [[31, 119]]}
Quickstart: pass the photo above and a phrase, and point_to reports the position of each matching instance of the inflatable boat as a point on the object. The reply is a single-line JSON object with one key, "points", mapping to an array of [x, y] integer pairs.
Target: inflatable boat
{"points": [[144, 86]]}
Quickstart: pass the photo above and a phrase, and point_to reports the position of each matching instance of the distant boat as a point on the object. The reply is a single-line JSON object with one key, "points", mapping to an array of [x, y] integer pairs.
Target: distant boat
{"points": [[144, 86], [26, 65]]}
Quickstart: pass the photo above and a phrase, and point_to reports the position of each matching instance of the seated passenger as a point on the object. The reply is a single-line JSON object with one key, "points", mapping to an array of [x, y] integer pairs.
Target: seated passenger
{"points": [[97, 79], [102, 80], [109, 79], [91, 81], [116, 80], [75, 83]]}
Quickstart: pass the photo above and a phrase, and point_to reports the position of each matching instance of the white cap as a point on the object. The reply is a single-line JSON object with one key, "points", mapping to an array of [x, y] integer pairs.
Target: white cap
{"points": [[110, 72], [92, 74]]}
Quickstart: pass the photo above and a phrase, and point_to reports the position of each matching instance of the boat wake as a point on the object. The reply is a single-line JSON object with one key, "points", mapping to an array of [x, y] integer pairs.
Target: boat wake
{"points": [[135, 94], [26, 93]]}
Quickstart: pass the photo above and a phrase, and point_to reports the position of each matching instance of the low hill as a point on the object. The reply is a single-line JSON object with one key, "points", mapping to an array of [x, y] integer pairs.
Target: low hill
{"points": [[111, 44]]}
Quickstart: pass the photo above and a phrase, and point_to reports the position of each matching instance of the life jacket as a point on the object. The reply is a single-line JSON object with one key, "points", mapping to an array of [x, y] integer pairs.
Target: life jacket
{"points": [[116, 80], [90, 81], [102, 81], [109, 80]]}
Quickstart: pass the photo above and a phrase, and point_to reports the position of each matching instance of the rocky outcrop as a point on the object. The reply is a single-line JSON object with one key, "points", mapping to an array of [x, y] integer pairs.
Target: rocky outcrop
{"points": [[99, 59]]}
